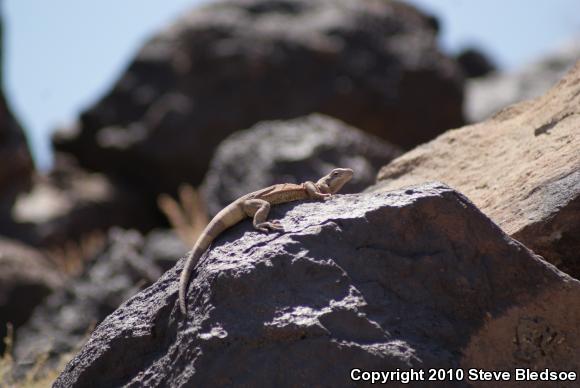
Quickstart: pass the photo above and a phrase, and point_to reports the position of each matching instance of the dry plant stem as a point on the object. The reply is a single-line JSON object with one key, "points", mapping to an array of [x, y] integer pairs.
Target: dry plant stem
{"points": [[7, 361], [187, 216], [70, 259]]}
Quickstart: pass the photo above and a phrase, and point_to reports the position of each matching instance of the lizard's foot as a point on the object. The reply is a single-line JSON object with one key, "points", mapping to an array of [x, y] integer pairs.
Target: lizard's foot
{"points": [[276, 225], [270, 226]]}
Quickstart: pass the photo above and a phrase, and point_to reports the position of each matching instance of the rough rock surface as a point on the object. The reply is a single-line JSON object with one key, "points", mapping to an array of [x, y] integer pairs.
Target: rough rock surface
{"points": [[415, 278], [292, 151], [230, 64], [521, 168], [487, 95], [26, 278], [129, 262], [71, 204]]}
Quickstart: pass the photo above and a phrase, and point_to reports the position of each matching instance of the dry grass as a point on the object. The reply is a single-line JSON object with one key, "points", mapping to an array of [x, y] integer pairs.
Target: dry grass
{"points": [[6, 361], [70, 258], [37, 377], [187, 216], [40, 375]]}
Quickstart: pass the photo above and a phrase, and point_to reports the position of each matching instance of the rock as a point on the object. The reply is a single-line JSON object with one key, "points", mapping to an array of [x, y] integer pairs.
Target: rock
{"points": [[26, 278], [16, 166], [70, 204], [521, 168], [475, 63], [126, 264], [417, 278], [162, 247], [487, 95], [292, 151], [228, 65]]}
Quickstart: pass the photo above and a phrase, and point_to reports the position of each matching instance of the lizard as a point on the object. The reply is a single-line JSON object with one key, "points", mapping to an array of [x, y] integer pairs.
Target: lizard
{"points": [[257, 205]]}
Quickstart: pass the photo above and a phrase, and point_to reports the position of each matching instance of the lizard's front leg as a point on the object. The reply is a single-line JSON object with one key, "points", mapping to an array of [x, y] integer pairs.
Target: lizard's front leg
{"points": [[314, 192], [259, 209]]}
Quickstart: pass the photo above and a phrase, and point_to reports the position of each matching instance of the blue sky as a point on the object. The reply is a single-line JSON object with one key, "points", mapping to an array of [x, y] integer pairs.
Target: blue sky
{"points": [[62, 55]]}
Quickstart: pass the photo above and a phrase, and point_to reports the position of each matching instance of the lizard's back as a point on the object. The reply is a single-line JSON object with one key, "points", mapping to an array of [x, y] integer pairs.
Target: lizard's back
{"points": [[280, 193]]}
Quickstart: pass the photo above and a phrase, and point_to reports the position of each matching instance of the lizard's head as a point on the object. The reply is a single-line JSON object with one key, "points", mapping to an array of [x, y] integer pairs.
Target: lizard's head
{"points": [[336, 179]]}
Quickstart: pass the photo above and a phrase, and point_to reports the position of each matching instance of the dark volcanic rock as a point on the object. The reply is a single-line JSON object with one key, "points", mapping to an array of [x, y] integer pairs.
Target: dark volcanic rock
{"points": [[16, 165], [292, 151], [230, 64], [409, 279], [127, 264], [475, 63], [26, 278], [15, 162], [71, 204]]}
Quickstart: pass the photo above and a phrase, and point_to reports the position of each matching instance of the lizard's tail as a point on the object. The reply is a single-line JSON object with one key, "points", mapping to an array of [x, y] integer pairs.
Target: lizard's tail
{"points": [[215, 227], [223, 220], [190, 262]]}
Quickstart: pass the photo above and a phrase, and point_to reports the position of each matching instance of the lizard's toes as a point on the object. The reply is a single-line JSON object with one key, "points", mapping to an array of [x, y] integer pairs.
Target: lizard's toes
{"points": [[269, 226], [275, 225]]}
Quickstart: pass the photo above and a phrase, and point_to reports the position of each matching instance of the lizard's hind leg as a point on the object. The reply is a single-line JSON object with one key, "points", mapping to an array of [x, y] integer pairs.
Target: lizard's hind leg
{"points": [[259, 210]]}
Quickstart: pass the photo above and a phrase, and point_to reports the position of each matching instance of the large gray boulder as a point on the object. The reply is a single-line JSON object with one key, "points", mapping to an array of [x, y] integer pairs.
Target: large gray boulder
{"points": [[227, 65], [292, 151], [417, 278]]}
